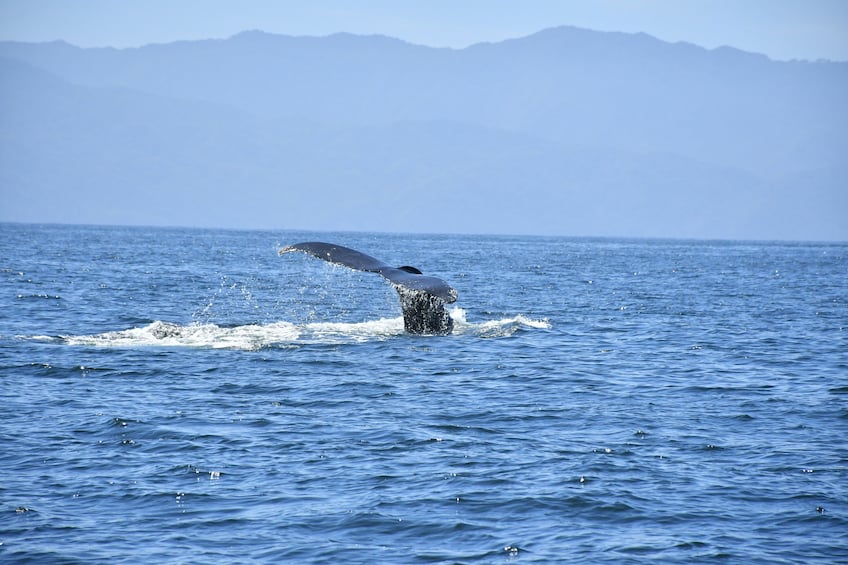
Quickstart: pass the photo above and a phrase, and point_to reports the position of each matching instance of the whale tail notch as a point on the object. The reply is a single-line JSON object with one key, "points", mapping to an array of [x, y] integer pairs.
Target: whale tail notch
{"points": [[422, 297]]}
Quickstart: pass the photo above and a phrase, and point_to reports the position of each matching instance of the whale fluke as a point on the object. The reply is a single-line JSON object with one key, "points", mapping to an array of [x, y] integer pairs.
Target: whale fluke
{"points": [[422, 297]]}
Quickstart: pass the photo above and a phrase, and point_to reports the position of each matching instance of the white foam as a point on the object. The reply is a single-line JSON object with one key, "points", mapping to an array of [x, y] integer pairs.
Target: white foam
{"points": [[360, 331], [252, 337], [166, 334], [494, 328]]}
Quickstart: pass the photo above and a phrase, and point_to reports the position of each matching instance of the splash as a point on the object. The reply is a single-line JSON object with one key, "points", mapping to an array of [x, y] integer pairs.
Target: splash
{"points": [[165, 334], [503, 327], [252, 337]]}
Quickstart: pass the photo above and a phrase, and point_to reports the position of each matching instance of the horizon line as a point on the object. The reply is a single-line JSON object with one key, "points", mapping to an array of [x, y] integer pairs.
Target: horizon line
{"points": [[422, 45]]}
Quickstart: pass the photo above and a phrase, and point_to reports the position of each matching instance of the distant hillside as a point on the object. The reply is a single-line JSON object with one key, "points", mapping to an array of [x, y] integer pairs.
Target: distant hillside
{"points": [[567, 131]]}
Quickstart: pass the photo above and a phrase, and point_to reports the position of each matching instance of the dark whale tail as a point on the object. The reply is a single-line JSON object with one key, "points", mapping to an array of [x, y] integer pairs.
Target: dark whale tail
{"points": [[422, 297]]}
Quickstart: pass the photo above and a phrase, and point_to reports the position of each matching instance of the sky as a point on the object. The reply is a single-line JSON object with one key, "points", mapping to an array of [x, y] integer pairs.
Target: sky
{"points": [[781, 29]]}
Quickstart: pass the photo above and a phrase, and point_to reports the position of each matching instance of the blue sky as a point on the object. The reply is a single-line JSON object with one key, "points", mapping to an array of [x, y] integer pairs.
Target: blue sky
{"points": [[781, 29]]}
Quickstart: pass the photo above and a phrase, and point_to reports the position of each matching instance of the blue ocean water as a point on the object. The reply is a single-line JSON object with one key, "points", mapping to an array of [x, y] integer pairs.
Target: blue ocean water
{"points": [[189, 396]]}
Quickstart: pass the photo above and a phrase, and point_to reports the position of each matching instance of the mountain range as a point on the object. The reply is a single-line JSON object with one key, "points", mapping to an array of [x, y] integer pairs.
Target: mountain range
{"points": [[567, 131]]}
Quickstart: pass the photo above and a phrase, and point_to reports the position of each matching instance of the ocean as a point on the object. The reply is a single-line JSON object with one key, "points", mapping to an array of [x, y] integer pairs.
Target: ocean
{"points": [[190, 396]]}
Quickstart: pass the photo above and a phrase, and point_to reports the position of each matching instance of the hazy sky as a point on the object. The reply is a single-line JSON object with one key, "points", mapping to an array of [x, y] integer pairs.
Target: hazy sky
{"points": [[781, 29]]}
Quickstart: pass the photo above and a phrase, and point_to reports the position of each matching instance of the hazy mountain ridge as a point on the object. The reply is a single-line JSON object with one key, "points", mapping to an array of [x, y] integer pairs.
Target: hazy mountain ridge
{"points": [[565, 131]]}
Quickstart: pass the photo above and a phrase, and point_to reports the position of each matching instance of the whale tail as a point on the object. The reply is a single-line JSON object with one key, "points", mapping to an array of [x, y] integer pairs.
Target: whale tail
{"points": [[423, 313], [422, 297]]}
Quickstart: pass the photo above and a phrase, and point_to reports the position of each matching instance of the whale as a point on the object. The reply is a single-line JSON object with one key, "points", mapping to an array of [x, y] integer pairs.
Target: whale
{"points": [[422, 297]]}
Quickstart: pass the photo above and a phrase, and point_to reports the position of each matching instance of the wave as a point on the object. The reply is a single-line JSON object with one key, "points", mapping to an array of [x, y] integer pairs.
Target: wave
{"points": [[251, 337], [502, 327]]}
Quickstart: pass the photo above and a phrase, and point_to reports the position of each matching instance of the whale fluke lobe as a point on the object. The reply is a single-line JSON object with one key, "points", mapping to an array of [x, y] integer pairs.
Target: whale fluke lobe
{"points": [[422, 297]]}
